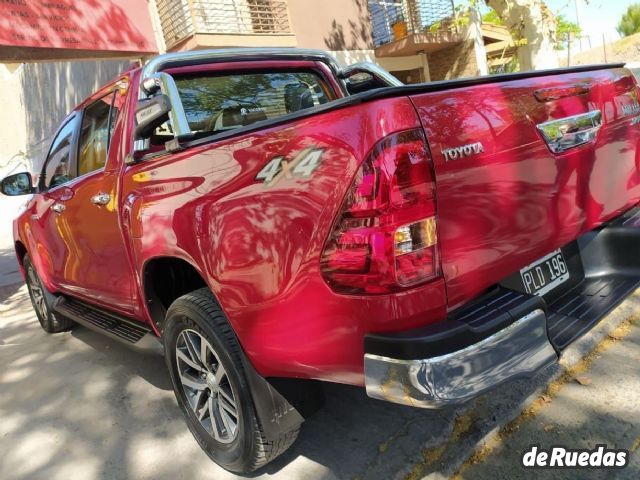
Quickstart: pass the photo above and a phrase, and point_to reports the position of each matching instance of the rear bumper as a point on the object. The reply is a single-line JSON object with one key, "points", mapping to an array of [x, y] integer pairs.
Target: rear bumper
{"points": [[518, 350], [507, 333]]}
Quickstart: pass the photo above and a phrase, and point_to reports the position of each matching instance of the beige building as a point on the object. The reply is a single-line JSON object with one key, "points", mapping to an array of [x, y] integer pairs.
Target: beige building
{"points": [[342, 27], [417, 40]]}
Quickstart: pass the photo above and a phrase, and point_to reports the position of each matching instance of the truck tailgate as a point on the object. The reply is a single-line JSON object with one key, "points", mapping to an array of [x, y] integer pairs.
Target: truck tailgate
{"points": [[504, 197]]}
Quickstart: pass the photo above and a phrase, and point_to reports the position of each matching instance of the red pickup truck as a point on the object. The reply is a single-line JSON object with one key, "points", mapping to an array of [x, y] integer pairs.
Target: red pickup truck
{"points": [[269, 220]]}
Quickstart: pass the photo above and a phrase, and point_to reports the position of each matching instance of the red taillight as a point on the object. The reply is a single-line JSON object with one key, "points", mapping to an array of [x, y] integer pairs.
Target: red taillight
{"points": [[384, 238]]}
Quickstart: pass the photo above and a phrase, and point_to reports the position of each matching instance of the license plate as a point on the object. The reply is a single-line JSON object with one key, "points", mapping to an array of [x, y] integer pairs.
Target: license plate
{"points": [[545, 274]]}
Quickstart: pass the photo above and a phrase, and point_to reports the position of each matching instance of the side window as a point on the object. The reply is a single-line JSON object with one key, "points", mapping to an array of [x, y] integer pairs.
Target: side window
{"points": [[58, 166], [95, 134]]}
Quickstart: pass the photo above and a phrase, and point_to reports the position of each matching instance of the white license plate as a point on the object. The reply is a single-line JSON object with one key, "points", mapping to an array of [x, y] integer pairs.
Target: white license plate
{"points": [[545, 274]]}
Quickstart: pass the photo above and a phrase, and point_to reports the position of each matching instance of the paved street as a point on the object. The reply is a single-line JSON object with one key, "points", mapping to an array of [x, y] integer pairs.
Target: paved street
{"points": [[78, 405]]}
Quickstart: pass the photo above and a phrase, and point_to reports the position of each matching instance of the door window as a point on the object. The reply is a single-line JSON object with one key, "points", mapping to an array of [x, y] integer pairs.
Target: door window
{"points": [[95, 134], [59, 168]]}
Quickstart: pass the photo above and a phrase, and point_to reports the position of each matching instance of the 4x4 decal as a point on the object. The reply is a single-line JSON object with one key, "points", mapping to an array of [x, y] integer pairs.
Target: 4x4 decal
{"points": [[302, 165]]}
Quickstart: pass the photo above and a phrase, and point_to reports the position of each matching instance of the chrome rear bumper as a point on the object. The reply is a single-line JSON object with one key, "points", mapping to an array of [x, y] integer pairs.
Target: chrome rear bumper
{"points": [[518, 350]]}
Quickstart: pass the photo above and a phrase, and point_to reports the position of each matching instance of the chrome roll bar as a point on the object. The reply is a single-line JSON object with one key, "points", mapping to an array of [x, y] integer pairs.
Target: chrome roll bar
{"points": [[153, 77]]}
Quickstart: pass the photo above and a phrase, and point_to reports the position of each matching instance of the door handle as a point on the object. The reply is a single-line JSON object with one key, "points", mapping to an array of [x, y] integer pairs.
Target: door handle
{"points": [[58, 207], [101, 199], [570, 132]]}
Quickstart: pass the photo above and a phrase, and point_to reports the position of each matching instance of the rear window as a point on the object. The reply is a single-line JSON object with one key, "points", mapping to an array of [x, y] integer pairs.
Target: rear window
{"points": [[216, 103]]}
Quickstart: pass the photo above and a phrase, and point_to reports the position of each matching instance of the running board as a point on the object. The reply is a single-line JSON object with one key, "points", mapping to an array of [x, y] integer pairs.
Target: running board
{"points": [[113, 325]]}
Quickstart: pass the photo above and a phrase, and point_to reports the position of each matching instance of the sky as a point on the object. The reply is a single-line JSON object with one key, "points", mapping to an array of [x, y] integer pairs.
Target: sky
{"points": [[597, 17]]}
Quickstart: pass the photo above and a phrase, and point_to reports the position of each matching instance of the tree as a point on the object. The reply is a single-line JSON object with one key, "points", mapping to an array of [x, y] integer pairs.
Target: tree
{"points": [[492, 17], [630, 21], [566, 30], [534, 26]]}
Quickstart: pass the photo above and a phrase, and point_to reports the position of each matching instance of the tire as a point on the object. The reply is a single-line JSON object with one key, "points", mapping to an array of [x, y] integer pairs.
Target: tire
{"points": [[43, 300], [190, 320]]}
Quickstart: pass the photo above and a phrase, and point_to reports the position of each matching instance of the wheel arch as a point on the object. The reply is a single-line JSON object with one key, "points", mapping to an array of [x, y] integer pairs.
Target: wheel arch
{"points": [[21, 251], [164, 279]]}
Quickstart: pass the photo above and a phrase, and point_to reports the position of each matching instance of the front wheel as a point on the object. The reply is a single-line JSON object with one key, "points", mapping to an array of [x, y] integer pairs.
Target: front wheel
{"points": [[211, 386], [42, 301]]}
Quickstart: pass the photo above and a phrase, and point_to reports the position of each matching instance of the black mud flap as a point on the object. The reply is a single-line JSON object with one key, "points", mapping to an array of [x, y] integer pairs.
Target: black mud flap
{"points": [[282, 403]]}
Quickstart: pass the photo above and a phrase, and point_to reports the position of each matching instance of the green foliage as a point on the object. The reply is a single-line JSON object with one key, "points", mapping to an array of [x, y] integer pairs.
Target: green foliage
{"points": [[435, 27], [565, 30], [630, 21], [565, 27], [492, 17]]}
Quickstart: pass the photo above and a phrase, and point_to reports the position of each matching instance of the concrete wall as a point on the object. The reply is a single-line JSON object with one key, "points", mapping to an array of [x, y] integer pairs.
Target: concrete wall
{"points": [[333, 25], [454, 62], [13, 135], [35, 98], [347, 57], [400, 63]]}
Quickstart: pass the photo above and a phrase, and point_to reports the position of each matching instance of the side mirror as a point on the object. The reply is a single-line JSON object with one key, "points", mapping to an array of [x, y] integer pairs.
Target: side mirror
{"points": [[150, 114], [363, 76], [17, 184], [361, 82]]}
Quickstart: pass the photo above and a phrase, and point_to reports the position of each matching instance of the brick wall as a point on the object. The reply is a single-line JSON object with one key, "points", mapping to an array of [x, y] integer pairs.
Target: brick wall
{"points": [[453, 62]]}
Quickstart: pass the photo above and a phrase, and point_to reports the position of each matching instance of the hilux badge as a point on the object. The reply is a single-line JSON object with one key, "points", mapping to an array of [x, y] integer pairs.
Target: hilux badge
{"points": [[463, 151]]}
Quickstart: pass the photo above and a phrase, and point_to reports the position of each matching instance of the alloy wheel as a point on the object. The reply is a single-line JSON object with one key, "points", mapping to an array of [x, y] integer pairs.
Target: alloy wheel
{"points": [[206, 385], [37, 294]]}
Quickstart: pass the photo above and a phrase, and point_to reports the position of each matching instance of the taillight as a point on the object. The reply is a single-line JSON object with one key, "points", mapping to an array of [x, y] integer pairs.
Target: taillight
{"points": [[384, 238]]}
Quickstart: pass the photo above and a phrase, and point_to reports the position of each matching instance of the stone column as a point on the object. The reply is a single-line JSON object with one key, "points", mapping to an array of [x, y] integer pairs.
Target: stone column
{"points": [[474, 34]]}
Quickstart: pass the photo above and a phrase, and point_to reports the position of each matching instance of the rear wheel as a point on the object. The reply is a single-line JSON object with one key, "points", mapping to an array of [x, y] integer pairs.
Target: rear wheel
{"points": [[42, 301], [205, 363]]}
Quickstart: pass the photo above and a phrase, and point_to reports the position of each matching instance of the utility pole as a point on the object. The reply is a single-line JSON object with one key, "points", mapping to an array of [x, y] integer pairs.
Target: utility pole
{"points": [[578, 4], [604, 47]]}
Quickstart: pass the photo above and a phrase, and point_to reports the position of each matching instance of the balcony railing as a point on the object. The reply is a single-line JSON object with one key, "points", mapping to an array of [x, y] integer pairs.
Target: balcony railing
{"points": [[394, 19], [183, 18]]}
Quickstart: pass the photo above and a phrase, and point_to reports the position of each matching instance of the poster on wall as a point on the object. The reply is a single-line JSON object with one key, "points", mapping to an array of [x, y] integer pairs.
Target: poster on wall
{"points": [[40, 30]]}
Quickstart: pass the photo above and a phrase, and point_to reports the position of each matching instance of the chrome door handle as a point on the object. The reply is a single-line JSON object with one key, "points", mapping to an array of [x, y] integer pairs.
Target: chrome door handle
{"points": [[58, 207], [101, 199], [570, 132]]}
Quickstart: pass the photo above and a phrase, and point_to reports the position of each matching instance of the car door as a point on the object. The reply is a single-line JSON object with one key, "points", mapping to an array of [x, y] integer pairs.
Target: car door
{"points": [[91, 259], [51, 253]]}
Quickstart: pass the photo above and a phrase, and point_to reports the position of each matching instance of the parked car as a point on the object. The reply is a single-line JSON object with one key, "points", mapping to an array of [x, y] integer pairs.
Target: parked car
{"points": [[271, 221]]}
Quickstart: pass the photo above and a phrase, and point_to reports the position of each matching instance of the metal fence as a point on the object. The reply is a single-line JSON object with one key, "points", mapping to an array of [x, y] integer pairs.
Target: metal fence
{"points": [[394, 19], [183, 18]]}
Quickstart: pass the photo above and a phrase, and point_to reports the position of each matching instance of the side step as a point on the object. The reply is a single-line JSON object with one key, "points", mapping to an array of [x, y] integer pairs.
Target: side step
{"points": [[113, 325]]}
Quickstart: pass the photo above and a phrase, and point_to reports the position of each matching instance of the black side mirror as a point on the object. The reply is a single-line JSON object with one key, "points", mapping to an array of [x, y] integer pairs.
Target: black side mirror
{"points": [[17, 184], [361, 82], [150, 114]]}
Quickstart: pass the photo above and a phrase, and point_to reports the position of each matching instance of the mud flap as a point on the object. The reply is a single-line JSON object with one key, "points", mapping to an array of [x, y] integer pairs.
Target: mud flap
{"points": [[282, 403]]}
